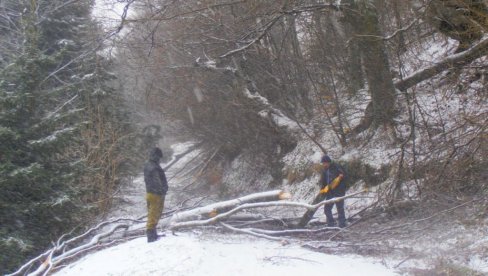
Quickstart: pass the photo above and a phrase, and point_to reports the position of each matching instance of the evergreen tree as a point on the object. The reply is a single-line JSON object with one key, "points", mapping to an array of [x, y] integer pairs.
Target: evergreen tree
{"points": [[61, 127]]}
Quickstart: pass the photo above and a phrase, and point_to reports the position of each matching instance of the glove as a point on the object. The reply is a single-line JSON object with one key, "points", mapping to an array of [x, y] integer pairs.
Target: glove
{"points": [[332, 185], [324, 190]]}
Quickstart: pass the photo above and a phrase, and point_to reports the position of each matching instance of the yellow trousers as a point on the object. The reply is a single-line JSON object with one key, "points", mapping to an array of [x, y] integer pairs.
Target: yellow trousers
{"points": [[155, 204]]}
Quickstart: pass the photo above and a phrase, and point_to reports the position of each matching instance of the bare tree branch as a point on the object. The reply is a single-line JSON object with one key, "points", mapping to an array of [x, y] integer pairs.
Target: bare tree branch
{"points": [[181, 155], [252, 233], [265, 30], [456, 60]]}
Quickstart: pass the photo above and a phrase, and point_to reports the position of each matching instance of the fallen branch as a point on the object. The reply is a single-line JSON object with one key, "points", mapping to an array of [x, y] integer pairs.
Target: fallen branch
{"points": [[292, 231], [260, 219], [270, 234], [456, 60], [250, 91], [184, 224], [177, 158], [45, 266], [424, 219], [57, 266], [23, 269], [50, 260], [250, 232], [220, 207], [92, 242]]}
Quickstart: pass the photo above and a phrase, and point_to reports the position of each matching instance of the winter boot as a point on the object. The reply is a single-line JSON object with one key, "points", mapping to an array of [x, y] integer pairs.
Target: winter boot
{"points": [[331, 222], [329, 218], [152, 235]]}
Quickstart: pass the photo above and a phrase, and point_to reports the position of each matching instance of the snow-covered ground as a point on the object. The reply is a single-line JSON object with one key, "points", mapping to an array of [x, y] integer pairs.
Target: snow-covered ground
{"points": [[223, 254], [210, 253]]}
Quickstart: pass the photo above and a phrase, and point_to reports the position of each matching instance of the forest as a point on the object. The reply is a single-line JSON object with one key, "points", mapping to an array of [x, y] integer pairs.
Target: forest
{"points": [[395, 90]]}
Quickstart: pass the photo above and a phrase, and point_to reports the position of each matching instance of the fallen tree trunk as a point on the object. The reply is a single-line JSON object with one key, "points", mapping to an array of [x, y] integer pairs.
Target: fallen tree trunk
{"points": [[239, 207], [220, 207], [309, 213], [457, 60]]}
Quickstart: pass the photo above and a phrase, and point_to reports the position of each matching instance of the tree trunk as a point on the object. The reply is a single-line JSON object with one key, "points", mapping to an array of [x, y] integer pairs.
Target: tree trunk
{"points": [[402, 45], [212, 210], [363, 18], [353, 66]]}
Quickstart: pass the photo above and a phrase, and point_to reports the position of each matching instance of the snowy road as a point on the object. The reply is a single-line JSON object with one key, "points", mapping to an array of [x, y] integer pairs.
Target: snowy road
{"points": [[203, 255]]}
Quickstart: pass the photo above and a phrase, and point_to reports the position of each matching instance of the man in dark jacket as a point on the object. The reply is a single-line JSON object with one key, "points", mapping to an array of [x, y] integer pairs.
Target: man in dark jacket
{"points": [[332, 185], [156, 188]]}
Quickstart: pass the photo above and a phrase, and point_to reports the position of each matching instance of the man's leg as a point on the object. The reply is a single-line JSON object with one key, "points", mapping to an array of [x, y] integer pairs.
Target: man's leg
{"points": [[154, 208], [160, 206], [160, 213], [341, 215], [328, 213]]}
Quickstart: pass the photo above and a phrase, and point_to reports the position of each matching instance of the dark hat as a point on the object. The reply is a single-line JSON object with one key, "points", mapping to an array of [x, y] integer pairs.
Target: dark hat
{"points": [[325, 158], [155, 153]]}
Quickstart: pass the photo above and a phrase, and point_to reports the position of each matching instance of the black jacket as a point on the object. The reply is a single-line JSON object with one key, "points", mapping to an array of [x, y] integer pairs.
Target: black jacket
{"points": [[330, 174], [154, 177]]}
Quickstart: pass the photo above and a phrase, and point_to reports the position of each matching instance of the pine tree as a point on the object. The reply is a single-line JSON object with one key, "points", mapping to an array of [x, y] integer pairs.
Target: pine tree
{"points": [[61, 127]]}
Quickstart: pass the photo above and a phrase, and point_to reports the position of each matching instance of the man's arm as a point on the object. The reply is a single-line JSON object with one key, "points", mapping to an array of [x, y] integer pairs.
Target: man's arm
{"points": [[336, 181], [341, 172], [164, 181]]}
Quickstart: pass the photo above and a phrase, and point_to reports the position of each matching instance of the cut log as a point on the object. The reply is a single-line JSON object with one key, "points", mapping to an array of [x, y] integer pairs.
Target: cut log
{"points": [[221, 207]]}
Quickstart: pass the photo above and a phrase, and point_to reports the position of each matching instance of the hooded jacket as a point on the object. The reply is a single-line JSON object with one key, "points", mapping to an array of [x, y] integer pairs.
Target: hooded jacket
{"points": [[154, 175], [330, 174]]}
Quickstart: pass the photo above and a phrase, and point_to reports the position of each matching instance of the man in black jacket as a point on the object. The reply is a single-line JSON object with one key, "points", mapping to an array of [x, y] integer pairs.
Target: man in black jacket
{"points": [[156, 188], [333, 171]]}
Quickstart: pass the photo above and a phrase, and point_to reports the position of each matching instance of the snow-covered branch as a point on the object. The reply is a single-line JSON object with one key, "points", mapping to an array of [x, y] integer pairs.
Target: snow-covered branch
{"points": [[264, 31], [176, 158], [49, 260], [250, 232], [214, 216], [268, 111], [456, 60], [220, 207], [92, 242]]}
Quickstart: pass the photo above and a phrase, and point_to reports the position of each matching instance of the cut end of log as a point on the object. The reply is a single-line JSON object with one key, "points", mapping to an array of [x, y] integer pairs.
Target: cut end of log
{"points": [[213, 213], [284, 195]]}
